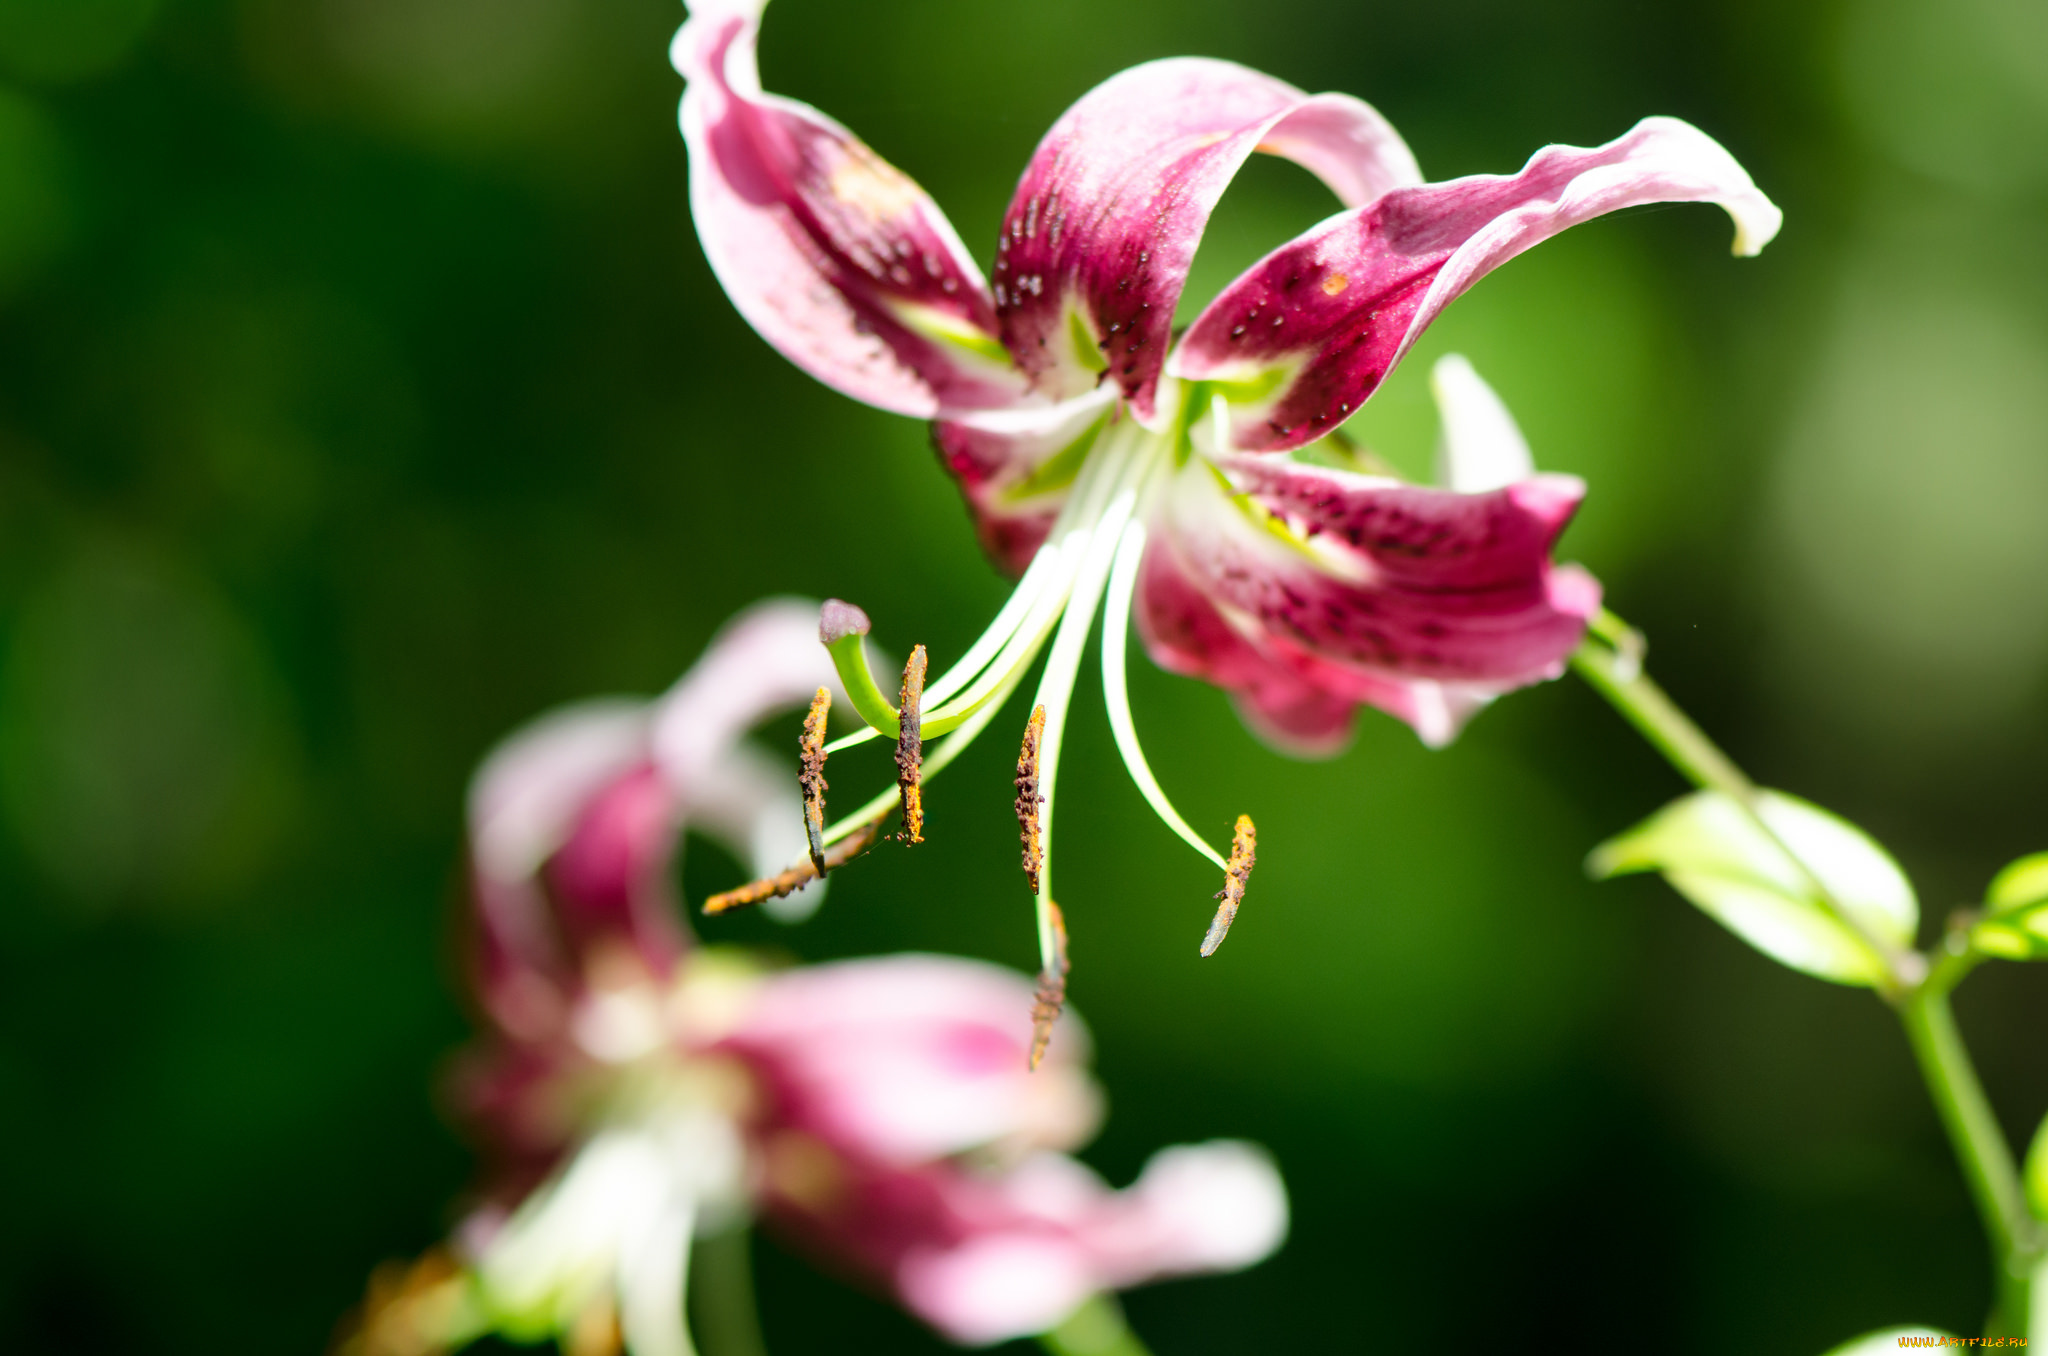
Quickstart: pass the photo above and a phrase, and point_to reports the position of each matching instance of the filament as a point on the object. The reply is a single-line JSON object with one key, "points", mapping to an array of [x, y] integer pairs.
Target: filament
{"points": [[1056, 684], [1116, 618]]}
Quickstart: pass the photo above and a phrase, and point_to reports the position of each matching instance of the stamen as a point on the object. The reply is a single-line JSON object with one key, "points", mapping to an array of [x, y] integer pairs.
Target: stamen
{"points": [[1056, 682], [796, 877], [910, 747], [1028, 799], [812, 777], [1116, 622], [1051, 998], [1238, 874], [841, 628], [949, 748]]}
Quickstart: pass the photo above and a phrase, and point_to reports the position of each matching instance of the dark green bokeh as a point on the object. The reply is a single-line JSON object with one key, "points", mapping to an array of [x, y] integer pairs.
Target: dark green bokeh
{"points": [[363, 391]]}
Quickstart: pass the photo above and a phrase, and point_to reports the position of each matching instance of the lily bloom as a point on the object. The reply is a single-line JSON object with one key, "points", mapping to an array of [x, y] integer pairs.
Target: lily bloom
{"points": [[1104, 456], [634, 1091]]}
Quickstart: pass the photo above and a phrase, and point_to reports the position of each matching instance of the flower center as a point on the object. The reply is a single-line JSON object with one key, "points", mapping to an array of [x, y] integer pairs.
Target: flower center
{"points": [[1090, 560]]}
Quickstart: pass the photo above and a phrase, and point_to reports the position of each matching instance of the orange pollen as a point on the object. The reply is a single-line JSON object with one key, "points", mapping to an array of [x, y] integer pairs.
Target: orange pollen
{"points": [[1243, 853]]}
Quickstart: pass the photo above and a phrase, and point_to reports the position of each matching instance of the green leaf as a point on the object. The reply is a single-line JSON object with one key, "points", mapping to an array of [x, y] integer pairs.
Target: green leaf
{"points": [[2022, 883], [2016, 927], [1887, 1341], [1714, 854]]}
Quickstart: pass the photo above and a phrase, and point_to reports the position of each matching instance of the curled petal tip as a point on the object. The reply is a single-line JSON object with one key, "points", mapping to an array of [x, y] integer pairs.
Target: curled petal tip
{"points": [[838, 619]]}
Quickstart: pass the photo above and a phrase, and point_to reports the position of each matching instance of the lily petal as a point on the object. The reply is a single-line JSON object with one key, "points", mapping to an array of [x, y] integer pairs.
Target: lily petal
{"points": [[907, 1058], [530, 797], [610, 880], [1482, 448], [1313, 327], [1423, 602], [1097, 241], [834, 255], [764, 661], [1294, 701], [1015, 467]]}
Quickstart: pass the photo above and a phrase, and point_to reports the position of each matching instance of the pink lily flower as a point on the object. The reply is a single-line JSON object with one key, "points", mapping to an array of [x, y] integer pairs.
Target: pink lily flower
{"points": [[634, 1091], [1103, 456]]}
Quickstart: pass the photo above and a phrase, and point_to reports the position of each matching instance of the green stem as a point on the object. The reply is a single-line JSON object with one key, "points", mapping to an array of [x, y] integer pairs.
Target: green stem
{"points": [[1617, 674], [1097, 1328], [1918, 992], [728, 1322], [1980, 1146]]}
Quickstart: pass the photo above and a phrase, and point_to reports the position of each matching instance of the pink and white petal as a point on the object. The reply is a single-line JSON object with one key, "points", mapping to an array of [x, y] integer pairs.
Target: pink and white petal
{"points": [[1186, 633], [1015, 467], [1195, 1208], [609, 881], [997, 1286], [764, 661], [908, 1058], [1481, 447], [1397, 579], [833, 255], [529, 790], [1097, 241], [525, 802], [1316, 325], [1312, 590]]}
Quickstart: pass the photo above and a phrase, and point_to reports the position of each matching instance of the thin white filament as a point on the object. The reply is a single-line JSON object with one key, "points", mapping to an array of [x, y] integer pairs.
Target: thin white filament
{"points": [[1056, 684], [1039, 595], [1116, 622]]}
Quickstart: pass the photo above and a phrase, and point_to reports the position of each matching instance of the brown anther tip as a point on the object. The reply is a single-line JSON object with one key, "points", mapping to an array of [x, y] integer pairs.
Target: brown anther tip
{"points": [[796, 877], [1051, 998], [1028, 799], [1243, 853], [838, 619], [910, 747], [812, 776]]}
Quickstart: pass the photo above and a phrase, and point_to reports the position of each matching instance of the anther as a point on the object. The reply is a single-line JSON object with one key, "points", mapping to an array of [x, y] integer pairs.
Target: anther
{"points": [[812, 777], [1028, 799], [1051, 998], [910, 747], [1243, 852], [790, 881]]}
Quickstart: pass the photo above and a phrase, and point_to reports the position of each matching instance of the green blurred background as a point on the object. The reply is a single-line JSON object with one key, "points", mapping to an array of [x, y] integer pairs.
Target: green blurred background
{"points": [[363, 391]]}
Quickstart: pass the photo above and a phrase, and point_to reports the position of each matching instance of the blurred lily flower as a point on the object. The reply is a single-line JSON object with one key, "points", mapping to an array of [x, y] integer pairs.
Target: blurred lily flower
{"points": [[634, 1091], [1102, 455]]}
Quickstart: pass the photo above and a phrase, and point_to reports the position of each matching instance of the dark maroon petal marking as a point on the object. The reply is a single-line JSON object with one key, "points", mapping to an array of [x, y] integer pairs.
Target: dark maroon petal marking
{"points": [[830, 252], [1290, 699], [1107, 217], [1422, 602], [1345, 300]]}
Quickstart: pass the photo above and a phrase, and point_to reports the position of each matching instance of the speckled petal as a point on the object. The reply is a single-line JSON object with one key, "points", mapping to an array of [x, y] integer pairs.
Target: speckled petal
{"points": [[1097, 241], [1309, 332], [1303, 589], [834, 255]]}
